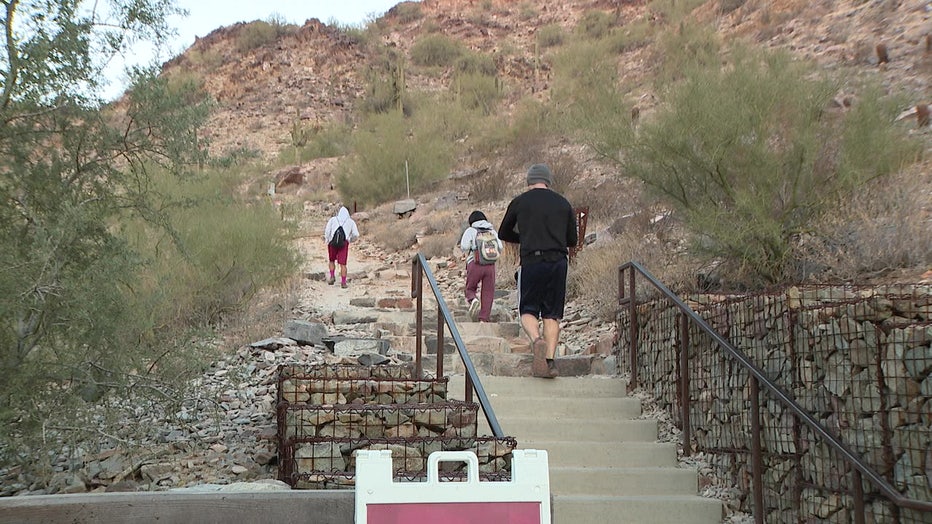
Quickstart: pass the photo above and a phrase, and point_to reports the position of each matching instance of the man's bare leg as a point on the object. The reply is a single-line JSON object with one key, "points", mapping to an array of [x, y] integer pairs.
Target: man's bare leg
{"points": [[552, 336], [531, 328], [539, 367]]}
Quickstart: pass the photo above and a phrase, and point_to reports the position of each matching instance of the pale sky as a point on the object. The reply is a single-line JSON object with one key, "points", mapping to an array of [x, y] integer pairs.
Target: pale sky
{"points": [[206, 15]]}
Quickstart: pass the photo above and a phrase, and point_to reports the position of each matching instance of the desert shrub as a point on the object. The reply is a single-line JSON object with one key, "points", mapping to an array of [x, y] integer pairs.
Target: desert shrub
{"points": [[727, 6], [523, 142], [595, 24], [208, 59], [327, 142], [407, 12], [476, 64], [673, 11], [592, 102], [260, 33], [435, 50], [389, 155], [478, 92], [447, 118], [233, 157], [689, 46], [385, 84], [356, 35], [215, 258], [528, 11], [631, 36], [550, 35], [579, 70], [749, 156]]}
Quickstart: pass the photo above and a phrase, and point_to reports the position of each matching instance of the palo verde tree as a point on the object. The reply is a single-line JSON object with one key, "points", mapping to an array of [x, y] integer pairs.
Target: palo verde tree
{"points": [[751, 149], [71, 171]]}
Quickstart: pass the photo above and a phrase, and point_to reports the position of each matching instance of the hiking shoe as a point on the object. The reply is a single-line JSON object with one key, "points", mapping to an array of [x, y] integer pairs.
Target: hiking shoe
{"points": [[540, 367], [343, 285], [331, 280], [552, 368], [474, 309]]}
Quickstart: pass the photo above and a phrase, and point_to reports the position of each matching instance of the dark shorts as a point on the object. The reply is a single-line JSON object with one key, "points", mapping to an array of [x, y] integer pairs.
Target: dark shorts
{"points": [[542, 289], [338, 255]]}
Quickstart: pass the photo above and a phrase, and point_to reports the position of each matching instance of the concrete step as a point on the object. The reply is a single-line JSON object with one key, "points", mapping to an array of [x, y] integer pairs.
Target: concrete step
{"points": [[534, 429], [640, 509], [605, 464], [562, 387], [605, 407], [618, 454], [622, 481]]}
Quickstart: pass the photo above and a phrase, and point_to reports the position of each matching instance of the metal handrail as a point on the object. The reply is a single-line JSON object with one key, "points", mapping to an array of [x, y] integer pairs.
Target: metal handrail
{"points": [[419, 269], [758, 380]]}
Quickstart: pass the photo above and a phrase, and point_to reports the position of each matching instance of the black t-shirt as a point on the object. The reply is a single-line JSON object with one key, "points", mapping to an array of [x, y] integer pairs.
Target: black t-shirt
{"points": [[543, 222]]}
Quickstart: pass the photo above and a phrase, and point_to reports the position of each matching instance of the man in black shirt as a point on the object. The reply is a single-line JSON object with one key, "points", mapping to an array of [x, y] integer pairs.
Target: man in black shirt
{"points": [[544, 225]]}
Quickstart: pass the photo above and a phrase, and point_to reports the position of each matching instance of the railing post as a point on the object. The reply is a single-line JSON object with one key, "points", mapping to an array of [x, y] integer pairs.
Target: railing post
{"points": [[417, 290], [633, 328], [757, 463], [684, 384], [440, 330], [858, 497], [469, 388]]}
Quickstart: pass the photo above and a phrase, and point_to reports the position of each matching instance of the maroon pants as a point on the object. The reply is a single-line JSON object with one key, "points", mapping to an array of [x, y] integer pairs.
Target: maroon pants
{"points": [[478, 275]]}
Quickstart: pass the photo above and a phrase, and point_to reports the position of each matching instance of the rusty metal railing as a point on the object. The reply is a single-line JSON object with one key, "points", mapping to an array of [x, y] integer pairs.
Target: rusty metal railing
{"points": [[419, 270], [842, 447]]}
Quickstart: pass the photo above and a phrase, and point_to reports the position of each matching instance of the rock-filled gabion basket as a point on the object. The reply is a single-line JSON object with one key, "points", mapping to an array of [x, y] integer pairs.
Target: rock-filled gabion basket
{"points": [[326, 413]]}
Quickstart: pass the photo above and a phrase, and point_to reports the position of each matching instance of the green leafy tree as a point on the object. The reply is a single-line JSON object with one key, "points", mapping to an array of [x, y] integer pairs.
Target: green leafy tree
{"points": [[71, 171]]}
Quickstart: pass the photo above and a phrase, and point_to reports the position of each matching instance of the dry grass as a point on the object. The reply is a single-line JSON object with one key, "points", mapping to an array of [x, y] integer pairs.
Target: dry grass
{"points": [[608, 201], [882, 229], [441, 245], [389, 232], [594, 272], [264, 316], [490, 186]]}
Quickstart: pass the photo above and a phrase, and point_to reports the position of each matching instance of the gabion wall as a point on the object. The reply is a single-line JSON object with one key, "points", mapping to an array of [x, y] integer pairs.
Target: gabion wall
{"points": [[858, 360]]}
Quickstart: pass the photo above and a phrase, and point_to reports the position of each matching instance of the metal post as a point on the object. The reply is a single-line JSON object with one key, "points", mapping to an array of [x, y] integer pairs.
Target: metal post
{"points": [[633, 318], [440, 330], [417, 284], [684, 384], [469, 388], [858, 495], [757, 464]]}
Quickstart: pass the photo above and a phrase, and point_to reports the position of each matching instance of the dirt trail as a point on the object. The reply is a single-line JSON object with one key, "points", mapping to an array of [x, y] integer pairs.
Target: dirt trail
{"points": [[370, 273]]}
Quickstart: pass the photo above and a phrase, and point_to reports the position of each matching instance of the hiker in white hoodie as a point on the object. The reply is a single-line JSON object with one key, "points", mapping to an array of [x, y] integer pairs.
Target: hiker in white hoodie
{"points": [[478, 273], [337, 254]]}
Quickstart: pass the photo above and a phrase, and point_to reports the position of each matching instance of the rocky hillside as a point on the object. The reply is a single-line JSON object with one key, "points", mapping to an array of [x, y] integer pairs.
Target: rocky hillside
{"points": [[315, 72]]}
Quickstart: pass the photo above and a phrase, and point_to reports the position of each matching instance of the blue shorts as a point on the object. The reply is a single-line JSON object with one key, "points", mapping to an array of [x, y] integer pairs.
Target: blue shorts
{"points": [[542, 289]]}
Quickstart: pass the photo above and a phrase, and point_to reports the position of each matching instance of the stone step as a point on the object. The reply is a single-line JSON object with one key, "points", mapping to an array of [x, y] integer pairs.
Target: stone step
{"points": [[562, 387], [490, 329], [636, 509], [622, 481], [619, 454], [474, 344]]}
